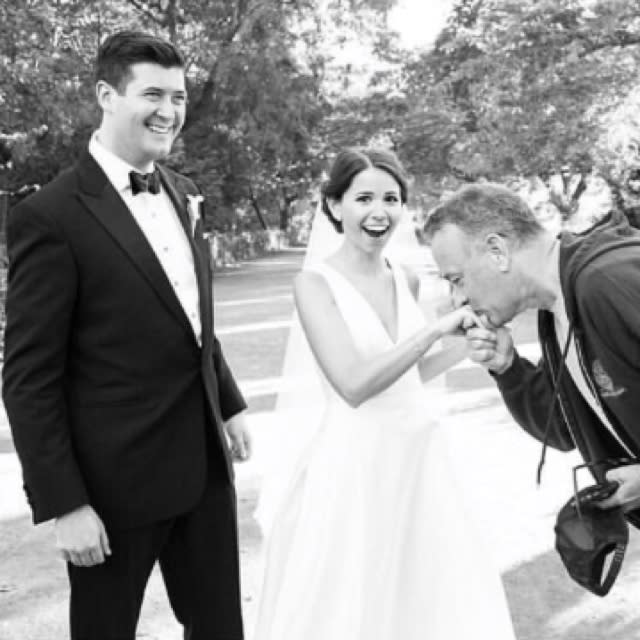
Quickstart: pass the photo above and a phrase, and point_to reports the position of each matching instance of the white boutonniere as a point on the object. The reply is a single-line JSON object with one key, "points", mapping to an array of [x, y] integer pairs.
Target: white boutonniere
{"points": [[193, 207]]}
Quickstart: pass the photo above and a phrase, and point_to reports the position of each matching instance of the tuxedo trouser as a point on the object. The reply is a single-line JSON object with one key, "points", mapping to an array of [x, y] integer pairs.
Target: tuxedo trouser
{"points": [[199, 560]]}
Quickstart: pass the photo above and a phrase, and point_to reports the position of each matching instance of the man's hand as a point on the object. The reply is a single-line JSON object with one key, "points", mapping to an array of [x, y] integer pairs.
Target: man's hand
{"points": [[240, 438], [81, 537], [492, 348], [627, 495]]}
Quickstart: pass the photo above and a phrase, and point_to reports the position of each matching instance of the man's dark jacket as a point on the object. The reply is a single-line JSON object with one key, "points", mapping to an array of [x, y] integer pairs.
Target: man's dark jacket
{"points": [[110, 398], [600, 278]]}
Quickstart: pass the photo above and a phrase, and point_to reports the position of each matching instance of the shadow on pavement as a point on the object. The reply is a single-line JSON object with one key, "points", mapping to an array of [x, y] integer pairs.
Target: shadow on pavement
{"points": [[33, 586], [547, 605]]}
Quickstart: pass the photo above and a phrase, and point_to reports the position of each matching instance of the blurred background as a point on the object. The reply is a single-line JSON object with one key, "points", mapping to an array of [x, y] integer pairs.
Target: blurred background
{"points": [[539, 94]]}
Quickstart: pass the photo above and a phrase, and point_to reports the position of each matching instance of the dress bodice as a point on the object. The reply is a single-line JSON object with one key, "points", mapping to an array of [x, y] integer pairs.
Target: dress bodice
{"points": [[367, 331]]}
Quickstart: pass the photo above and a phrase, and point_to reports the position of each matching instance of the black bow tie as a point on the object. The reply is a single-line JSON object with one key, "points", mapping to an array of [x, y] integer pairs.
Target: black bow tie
{"points": [[144, 182]]}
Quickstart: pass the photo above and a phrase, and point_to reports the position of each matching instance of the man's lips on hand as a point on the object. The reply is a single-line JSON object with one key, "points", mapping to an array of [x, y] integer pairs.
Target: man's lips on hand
{"points": [[483, 316]]}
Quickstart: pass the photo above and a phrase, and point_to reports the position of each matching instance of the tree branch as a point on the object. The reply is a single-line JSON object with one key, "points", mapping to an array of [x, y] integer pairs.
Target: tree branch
{"points": [[245, 16], [618, 39], [142, 8]]}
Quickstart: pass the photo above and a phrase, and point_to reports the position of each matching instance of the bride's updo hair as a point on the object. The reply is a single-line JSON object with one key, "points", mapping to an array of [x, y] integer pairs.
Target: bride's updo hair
{"points": [[348, 164]]}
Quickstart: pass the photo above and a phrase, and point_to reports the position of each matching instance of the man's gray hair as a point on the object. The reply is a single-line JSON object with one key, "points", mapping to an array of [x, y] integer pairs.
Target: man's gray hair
{"points": [[480, 209]]}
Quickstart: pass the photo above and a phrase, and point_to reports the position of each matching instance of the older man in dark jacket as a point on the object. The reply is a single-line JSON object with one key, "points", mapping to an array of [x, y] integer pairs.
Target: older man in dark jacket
{"points": [[585, 391]]}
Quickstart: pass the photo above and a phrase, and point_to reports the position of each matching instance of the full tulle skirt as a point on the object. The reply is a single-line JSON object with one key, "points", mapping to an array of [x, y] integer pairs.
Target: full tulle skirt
{"points": [[372, 540]]}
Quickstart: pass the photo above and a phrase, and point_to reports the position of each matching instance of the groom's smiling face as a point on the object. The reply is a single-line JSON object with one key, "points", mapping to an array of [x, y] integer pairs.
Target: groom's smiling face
{"points": [[145, 114], [479, 272]]}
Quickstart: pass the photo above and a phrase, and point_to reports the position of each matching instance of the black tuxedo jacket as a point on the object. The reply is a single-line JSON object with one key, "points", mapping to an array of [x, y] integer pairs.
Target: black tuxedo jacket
{"points": [[110, 398]]}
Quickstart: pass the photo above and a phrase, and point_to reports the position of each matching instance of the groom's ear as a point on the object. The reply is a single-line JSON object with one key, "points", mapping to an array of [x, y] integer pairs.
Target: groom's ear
{"points": [[498, 251], [105, 94]]}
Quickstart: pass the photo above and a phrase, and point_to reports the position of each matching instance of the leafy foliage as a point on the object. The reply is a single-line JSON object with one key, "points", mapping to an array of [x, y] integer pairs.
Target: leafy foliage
{"points": [[256, 73], [519, 87], [510, 87]]}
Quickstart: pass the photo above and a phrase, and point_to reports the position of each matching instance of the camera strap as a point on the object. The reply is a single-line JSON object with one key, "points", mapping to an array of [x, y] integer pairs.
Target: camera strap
{"points": [[554, 400]]}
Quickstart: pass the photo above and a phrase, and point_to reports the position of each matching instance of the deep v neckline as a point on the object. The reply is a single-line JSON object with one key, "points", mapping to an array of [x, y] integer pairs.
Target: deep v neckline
{"points": [[374, 313]]}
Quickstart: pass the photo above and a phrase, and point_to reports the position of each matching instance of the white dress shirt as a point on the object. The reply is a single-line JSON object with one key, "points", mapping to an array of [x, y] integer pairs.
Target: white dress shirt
{"points": [[158, 220]]}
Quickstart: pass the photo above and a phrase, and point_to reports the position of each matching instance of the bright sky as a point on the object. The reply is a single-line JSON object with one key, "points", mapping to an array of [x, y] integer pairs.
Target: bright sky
{"points": [[419, 21]]}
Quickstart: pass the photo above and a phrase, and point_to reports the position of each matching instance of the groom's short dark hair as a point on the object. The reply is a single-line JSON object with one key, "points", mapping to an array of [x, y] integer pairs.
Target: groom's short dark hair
{"points": [[123, 49]]}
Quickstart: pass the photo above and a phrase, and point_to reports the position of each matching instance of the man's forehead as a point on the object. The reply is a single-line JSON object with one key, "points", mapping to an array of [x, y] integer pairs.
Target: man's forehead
{"points": [[151, 74], [450, 247]]}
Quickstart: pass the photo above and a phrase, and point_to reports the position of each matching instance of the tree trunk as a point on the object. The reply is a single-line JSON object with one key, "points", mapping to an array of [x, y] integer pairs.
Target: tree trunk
{"points": [[284, 217], [256, 208], [285, 208], [171, 17]]}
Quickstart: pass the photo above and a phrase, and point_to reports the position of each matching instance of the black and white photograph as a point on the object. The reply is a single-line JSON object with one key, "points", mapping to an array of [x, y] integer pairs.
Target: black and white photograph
{"points": [[319, 319]]}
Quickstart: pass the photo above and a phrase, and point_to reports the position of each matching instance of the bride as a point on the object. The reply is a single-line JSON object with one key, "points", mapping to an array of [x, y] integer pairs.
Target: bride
{"points": [[370, 540]]}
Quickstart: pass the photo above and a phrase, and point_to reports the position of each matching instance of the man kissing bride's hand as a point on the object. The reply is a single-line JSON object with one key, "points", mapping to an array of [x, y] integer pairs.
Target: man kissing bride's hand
{"points": [[458, 322], [491, 347]]}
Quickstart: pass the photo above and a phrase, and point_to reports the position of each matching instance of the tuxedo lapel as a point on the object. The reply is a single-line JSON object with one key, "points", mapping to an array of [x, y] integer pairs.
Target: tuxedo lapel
{"points": [[106, 205], [178, 199], [199, 248]]}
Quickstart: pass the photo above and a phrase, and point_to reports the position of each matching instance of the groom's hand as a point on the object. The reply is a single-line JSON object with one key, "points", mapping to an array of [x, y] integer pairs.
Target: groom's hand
{"points": [[81, 537], [492, 348], [239, 436]]}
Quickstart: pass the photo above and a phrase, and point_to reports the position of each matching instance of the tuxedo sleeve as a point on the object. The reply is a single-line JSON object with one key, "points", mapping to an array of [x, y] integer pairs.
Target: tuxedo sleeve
{"points": [[231, 400], [42, 283]]}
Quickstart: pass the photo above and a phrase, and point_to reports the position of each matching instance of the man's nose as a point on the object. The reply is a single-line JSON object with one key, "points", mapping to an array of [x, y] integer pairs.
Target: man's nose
{"points": [[459, 298], [166, 108]]}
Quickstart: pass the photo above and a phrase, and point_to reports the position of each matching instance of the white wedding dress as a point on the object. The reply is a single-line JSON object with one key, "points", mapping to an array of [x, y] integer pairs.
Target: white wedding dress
{"points": [[372, 540]]}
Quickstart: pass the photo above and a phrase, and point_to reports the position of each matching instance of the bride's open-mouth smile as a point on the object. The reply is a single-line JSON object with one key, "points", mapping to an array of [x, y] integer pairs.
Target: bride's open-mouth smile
{"points": [[376, 230]]}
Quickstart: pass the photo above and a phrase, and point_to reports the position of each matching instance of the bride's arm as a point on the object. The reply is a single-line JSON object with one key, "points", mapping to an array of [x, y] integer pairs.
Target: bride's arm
{"points": [[434, 364], [354, 377]]}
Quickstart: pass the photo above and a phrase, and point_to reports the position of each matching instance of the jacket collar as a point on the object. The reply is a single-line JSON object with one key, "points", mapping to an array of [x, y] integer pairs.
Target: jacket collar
{"points": [[102, 200], [577, 250]]}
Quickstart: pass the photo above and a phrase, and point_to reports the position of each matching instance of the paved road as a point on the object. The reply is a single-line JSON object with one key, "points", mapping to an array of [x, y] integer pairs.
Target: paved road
{"points": [[495, 465]]}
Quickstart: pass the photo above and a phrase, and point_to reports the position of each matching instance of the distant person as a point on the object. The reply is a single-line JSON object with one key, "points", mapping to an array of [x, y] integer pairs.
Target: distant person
{"points": [[585, 391], [630, 198], [118, 395], [371, 540]]}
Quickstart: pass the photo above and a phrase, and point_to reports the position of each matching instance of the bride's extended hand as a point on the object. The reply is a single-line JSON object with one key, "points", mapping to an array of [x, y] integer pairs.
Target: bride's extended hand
{"points": [[457, 322]]}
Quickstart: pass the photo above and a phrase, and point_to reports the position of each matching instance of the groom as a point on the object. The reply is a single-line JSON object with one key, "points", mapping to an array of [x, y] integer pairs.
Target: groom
{"points": [[119, 398]]}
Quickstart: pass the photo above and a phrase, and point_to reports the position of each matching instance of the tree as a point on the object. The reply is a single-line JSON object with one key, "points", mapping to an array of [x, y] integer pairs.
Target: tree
{"points": [[270, 96], [45, 90], [519, 87], [249, 135]]}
